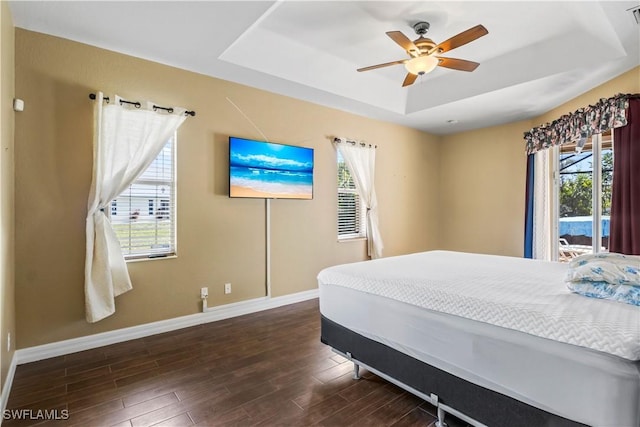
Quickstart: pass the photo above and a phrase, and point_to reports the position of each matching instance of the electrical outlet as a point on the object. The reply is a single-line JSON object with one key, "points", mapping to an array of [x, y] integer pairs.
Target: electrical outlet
{"points": [[9, 341], [227, 288], [204, 292]]}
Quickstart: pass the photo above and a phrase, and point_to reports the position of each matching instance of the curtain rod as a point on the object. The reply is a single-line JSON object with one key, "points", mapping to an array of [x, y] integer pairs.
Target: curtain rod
{"points": [[362, 144], [138, 105]]}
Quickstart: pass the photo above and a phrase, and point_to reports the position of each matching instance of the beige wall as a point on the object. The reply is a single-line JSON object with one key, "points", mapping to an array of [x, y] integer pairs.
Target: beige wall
{"points": [[219, 239], [7, 300], [482, 176]]}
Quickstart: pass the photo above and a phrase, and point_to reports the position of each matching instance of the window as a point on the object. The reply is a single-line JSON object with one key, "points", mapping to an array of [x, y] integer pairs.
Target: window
{"points": [[351, 218], [584, 187], [146, 211]]}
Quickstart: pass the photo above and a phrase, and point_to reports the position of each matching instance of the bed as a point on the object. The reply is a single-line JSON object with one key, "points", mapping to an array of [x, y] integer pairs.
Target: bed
{"points": [[497, 341]]}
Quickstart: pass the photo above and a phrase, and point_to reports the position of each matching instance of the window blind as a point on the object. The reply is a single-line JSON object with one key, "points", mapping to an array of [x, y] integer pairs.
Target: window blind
{"points": [[350, 212], [143, 216]]}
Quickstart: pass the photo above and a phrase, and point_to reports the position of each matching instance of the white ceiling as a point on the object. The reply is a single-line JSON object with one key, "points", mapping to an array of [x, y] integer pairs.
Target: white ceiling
{"points": [[536, 56]]}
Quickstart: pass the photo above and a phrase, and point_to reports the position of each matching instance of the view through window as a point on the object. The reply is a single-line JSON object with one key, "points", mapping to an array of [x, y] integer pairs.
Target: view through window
{"points": [[584, 190], [143, 216], [350, 211]]}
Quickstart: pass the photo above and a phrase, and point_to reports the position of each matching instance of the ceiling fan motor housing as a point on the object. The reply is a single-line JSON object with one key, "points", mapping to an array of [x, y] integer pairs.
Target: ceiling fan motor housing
{"points": [[424, 45], [421, 28]]}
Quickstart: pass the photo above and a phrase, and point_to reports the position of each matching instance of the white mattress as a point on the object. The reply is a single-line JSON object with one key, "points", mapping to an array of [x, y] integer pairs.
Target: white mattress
{"points": [[574, 381], [516, 293]]}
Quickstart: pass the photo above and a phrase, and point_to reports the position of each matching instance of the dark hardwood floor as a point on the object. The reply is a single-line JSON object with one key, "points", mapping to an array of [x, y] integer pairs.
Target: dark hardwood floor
{"points": [[267, 368]]}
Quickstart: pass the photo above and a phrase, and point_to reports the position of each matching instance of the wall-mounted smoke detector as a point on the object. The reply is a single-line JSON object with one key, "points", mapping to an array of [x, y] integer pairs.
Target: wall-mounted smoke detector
{"points": [[635, 11]]}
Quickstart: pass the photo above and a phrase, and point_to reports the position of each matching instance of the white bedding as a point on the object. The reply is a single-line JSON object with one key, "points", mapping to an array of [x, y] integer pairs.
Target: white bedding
{"points": [[520, 294], [381, 300]]}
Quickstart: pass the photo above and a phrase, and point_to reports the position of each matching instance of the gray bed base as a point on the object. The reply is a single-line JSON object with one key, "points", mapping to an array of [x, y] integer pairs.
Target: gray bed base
{"points": [[450, 394]]}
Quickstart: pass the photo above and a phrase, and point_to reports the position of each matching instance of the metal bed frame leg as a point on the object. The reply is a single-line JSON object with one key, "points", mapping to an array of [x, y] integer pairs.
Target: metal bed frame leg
{"points": [[441, 412], [441, 415], [356, 367], [356, 371]]}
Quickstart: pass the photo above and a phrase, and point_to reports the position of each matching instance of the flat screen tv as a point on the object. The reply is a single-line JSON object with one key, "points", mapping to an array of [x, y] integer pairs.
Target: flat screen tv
{"points": [[265, 170]]}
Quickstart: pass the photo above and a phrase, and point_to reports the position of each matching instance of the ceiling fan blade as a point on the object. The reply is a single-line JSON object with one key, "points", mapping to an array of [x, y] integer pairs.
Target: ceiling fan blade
{"points": [[404, 42], [461, 39], [409, 79], [386, 64], [457, 64]]}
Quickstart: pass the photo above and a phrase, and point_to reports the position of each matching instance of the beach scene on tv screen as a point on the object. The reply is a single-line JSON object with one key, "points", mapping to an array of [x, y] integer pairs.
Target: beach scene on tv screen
{"points": [[267, 170]]}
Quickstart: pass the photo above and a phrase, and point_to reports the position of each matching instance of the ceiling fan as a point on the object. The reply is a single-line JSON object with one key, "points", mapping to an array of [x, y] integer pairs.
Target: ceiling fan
{"points": [[423, 51]]}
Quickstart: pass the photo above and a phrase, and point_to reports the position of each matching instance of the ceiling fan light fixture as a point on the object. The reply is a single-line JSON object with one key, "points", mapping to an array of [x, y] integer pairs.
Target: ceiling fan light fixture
{"points": [[421, 65]]}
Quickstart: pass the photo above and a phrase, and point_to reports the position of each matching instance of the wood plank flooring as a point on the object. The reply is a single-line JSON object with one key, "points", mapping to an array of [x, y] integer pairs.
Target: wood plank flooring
{"points": [[267, 368]]}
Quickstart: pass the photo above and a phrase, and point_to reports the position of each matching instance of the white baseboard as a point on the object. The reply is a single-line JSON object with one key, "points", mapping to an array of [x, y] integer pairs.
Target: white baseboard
{"points": [[212, 314], [8, 382]]}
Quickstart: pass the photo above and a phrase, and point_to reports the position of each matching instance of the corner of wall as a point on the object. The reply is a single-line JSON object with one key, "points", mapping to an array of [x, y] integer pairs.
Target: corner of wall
{"points": [[7, 200]]}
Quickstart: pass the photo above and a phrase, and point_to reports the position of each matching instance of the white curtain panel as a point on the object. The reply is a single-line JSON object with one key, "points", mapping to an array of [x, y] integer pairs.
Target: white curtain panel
{"points": [[361, 161], [126, 140], [542, 206]]}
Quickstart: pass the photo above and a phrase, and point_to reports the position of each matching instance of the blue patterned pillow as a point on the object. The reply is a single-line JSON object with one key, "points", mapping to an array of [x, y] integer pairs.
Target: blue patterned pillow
{"points": [[604, 290], [617, 269]]}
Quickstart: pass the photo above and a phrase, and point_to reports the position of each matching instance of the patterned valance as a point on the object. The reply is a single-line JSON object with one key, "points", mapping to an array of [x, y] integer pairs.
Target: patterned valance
{"points": [[604, 115]]}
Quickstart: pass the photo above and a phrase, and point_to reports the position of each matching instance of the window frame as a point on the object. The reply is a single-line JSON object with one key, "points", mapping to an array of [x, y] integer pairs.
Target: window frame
{"points": [[360, 215], [154, 203], [597, 145]]}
